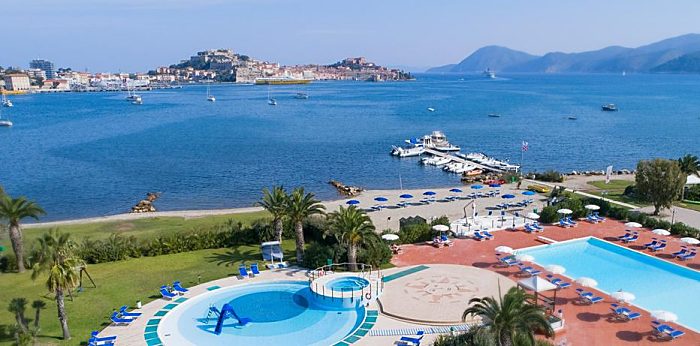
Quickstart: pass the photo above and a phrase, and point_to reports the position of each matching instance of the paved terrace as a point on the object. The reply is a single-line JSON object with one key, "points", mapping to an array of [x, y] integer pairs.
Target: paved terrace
{"points": [[585, 325]]}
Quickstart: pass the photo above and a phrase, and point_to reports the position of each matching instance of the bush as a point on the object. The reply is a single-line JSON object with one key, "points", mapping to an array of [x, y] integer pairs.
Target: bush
{"points": [[550, 176], [630, 191], [415, 232], [442, 220], [317, 254], [8, 262], [377, 253], [549, 214], [693, 193]]}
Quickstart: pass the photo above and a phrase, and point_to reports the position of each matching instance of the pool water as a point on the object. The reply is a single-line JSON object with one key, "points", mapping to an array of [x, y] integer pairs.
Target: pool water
{"points": [[657, 284], [281, 313], [351, 283]]}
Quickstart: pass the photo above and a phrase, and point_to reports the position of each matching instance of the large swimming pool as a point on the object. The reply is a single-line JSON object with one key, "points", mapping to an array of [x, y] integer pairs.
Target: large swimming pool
{"points": [[657, 284], [282, 313]]}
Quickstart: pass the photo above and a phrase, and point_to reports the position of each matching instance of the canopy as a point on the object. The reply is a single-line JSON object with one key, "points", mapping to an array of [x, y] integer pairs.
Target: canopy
{"points": [[390, 237], [592, 207], [504, 249], [455, 190], [537, 284], [622, 296], [381, 199], [528, 193], [406, 196], [271, 251], [532, 215], [664, 316], [555, 269], [352, 202], [477, 186], [441, 228], [691, 241], [564, 211], [508, 196], [524, 258], [660, 231], [429, 193], [586, 282], [633, 225]]}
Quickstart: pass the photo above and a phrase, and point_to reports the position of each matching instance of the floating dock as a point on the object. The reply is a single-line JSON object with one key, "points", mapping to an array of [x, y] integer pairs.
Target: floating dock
{"points": [[460, 160]]}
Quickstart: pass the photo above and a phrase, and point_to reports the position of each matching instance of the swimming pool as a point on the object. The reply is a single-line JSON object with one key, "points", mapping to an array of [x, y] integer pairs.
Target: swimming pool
{"points": [[351, 283], [281, 313], [657, 284]]}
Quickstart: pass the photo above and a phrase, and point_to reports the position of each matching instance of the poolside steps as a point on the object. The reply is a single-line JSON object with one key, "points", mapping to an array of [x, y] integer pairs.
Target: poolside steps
{"points": [[426, 330]]}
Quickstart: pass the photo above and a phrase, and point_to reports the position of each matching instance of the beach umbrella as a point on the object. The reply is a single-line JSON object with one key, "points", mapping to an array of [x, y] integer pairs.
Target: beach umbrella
{"points": [[564, 211], [352, 202], [524, 258], [429, 193], [406, 196], [664, 316], [622, 296], [633, 225], [477, 186], [586, 282], [555, 269], [660, 231], [390, 237], [504, 249], [532, 216], [508, 196], [494, 185], [592, 207], [381, 199], [528, 193], [441, 228], [456, 190], [691, 241]]}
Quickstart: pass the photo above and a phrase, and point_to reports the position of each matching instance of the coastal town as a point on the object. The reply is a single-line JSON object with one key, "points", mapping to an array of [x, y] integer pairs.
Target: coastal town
{"points": [[209, 66]]}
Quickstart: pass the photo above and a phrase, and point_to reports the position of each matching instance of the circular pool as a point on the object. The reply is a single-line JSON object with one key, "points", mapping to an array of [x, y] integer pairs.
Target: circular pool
{"points": [[280, 313], [347, 283]]}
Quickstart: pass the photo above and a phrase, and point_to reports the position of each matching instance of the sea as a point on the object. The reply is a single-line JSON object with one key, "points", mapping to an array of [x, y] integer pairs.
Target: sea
{"points": [[95, 154]]}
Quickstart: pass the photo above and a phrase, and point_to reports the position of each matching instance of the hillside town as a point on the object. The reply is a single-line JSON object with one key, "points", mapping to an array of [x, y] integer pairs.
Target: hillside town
{"points": [[214, 65]]}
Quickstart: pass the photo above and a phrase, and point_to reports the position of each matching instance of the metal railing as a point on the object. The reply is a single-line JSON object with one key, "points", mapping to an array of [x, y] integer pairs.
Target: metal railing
{"points": [[365, 271]]}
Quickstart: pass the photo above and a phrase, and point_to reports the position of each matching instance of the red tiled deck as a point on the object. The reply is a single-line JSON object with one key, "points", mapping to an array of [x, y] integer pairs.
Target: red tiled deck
{"points": [[585, 325]]}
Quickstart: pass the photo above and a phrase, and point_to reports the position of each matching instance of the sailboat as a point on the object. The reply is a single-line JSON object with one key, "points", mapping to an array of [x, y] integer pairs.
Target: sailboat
{"points": [[130, 96], [210, 97], [5, 101], [270, 100], [5, 123]]}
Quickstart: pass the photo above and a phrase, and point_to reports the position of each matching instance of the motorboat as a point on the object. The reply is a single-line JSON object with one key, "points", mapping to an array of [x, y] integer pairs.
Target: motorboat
{"points": [[572, 117], [5, 122], [301, 96], [137, 100], [272, 102], [610, 107], [210, 97], [489, 73], [431, 109], [6, 102], [436, 140], [407, 151], [494, 115]]}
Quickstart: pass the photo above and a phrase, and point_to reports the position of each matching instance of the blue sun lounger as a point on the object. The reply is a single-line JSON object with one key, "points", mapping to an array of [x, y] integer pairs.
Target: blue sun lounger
{"points": [[405, 340], [529, 270], [166, 293], [590, 298], [477, 235], [242, 271], [119, 320], [625, 236], [658, 247], [558, 282], [688, 256], [600, 218], [631, 239], [487, 234], [508, 260], [177, 286], [125, 313], [651, 244], [93, 342], [681, 252], [664, 330], [95, 333], [254, 269], [624, 314]]}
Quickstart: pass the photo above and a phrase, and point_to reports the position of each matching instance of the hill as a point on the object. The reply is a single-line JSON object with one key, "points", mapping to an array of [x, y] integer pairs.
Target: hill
{"points": [[489, 57], [689, 63]]}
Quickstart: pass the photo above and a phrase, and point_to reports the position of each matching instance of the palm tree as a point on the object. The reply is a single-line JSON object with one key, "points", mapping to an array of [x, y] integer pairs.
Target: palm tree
{"points": [[54, 255], [299, 206], [689, 164], [353, 228], [510, 317], [38, 305], [275, 202], [14, 210], [17, 307]]}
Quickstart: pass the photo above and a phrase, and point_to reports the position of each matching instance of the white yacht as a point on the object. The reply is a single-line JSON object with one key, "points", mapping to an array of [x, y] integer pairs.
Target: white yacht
{"points": [[435, 140], [137, 100], [407, 151], [6, 102], [210, 97], [431, 109], [490, 73]]}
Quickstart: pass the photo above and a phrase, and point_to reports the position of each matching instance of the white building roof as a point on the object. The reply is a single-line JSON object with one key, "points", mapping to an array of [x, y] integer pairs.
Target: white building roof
{"points": [[693, 180], [537, 284]]}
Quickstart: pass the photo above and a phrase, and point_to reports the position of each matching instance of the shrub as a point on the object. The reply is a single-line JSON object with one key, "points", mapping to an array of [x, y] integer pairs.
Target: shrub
{"points": [[549, 214], [376, 254], [317, 254], [576, 206], [550, 176], [415, 232], [442, 220], [693, 193], [630, 191]]}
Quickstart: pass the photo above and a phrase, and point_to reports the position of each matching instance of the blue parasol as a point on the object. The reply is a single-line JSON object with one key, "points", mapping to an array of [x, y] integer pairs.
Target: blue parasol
{"points": [[429, 193], [352, 202], [476, 187], [456, 190], [381, 199], [508, 196], [528, 193], [406, 196]]}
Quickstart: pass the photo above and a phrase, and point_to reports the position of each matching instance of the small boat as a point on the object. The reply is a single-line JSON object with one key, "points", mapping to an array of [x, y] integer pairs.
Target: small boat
{"points": [[431, 109], [301, 96], [5, 122], [473, 172], [137, 100], [610, 107], [494, 115], [407, 151], [489, 73], [272, 102], [6, 102], [210, 97], [572, 117]]}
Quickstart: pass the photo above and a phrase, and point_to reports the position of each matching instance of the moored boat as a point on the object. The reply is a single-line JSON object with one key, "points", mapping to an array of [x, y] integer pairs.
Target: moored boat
{"points": [[610, 107]]}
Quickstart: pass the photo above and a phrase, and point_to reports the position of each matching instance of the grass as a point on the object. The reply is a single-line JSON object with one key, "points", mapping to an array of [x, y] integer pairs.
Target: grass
{"points": [[691, 206], [120, 283], [615, 190], [142, 228]]}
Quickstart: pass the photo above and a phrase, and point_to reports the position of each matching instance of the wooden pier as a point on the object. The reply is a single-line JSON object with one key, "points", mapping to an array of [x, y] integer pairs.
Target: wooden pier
{"points": [[460, 160]]}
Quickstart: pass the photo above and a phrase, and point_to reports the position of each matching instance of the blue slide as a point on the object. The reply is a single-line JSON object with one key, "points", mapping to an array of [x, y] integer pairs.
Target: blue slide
{"points": [[228, 312]]}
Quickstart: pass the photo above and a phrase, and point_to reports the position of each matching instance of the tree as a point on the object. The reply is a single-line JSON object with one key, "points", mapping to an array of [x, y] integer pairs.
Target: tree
{"points": [[509, 318], [38, 305], [18, 306], [275, 202], [54, 255], [689, 165], [14, 210], [299, 206], [660, 182], [352, 228]]}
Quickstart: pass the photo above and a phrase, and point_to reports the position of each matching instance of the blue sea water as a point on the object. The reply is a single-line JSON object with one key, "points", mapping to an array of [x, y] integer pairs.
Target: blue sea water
{"points": [[93, 154]]}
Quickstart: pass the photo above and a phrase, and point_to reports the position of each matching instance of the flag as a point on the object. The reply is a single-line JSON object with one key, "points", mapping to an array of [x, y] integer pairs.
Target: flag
{"points": [[525, 146], [608, 173]]}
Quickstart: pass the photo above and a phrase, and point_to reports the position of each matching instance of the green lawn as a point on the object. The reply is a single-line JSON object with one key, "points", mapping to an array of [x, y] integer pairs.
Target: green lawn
{"points": [[120, 283], [615, 190], [143, 228]]}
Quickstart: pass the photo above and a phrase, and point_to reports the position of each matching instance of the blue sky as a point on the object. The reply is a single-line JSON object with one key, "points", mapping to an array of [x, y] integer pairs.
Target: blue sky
{"points": [[136, 35]]}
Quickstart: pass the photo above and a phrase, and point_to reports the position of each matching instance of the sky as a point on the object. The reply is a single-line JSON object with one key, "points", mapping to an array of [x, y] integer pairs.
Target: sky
{"points": [[138, 35]]}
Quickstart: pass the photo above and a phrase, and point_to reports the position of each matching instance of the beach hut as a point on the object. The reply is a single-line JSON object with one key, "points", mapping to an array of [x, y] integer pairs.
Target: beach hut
{"points": [[271, 251], [539, 285]]}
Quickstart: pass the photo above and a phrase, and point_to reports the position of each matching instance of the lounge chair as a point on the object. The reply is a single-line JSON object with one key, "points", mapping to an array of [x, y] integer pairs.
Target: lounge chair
{"points": [[590, 298], [508, 260], [242, 271], [528, 270], [688, 256], [664, 330], [681, 252], [282, 265], [116, 320], [625, 236], [582, 293], [558, 282], [600, 218], [486, 233], [165, 292], [93, 342], [125, 313], [177, 286], [529, 228], [592, 219], [570, 221], [254, 269], [624, 314], [631, 239], [477, 235], [653, 243], [537, 226], [405, 340], [95, 333], [563, 223], [658, 247]]}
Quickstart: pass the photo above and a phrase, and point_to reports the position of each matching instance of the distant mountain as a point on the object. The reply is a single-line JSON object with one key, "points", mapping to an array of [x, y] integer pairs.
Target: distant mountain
{"points": [[689, 63], [490, 57], [649, 58]]}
